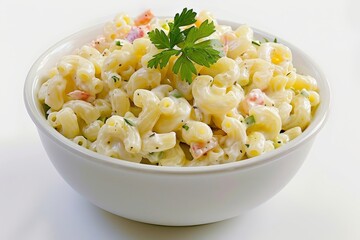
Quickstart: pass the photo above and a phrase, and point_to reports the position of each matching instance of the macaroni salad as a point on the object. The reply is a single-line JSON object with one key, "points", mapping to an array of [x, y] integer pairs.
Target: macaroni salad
{"points": [[250, 100]]}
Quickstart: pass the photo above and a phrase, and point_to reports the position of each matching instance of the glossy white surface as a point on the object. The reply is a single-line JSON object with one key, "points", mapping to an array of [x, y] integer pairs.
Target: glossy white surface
{"points": [[321, 202]]}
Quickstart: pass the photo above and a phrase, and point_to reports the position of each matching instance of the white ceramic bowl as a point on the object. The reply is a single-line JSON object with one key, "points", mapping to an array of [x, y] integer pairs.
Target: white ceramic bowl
{"points": [[171, 195]]}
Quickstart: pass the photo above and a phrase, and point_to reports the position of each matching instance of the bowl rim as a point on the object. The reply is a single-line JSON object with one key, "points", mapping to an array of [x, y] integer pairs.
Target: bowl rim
{"points": [[37, 117]]}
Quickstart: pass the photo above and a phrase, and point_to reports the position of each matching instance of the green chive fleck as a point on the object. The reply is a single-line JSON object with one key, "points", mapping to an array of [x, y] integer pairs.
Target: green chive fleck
{"points": [[305, 93], [177, 95], [186, 127], [129, 122], [46, 109], [275, 40], [103, 119], [256, 43], [152, 135], [250, 120], [118, 43], [247, 145], [156, 156], [115, 78], [294, 90]]}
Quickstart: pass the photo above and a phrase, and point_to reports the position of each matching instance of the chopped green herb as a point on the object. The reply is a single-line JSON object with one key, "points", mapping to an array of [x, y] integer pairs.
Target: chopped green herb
{"points": [[288, 73], [257, 43], [118, 43], [247, 145], [115, 78], [275, 40], [294, 90], [153, 134], [103, 119], [154, 157], [305, 93], [186, 45], [266, 40], [177, 95], [46, 109], [129, 122], [250, 120], [186, 127]]}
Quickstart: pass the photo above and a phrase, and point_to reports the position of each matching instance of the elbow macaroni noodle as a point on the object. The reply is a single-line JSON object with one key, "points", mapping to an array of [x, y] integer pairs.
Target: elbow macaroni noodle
{"points": [[106, 99]]}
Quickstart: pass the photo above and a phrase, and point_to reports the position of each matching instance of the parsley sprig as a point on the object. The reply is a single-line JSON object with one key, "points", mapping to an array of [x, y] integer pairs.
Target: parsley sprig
{"points": [[186, 44]]}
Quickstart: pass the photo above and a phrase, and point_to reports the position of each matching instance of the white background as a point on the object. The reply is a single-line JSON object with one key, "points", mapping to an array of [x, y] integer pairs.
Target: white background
{"points": [[321, 202]]}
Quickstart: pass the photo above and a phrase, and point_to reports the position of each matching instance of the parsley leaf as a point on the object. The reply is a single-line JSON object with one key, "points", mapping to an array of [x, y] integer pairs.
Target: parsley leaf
{"points": [[177, 36], [185, 66], [162, 58], [186, 17], [194, 34], [159, 38], [186, 44], [205, 53]]}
